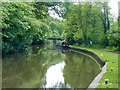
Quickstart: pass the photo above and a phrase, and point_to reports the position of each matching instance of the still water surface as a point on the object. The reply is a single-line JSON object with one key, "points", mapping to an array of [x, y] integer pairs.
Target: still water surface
{"points": [[45, 67]]}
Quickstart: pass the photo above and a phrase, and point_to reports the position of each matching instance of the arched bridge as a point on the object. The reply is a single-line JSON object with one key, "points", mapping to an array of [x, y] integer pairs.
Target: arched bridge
{"points": [[52, 38]]}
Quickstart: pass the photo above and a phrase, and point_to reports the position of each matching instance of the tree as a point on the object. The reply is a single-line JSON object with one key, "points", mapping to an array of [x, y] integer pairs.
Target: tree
{"points": [[87, 22], [113, 34], [17, 33], [24, 24]]}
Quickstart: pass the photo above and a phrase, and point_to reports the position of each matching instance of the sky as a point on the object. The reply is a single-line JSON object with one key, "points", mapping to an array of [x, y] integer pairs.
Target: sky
{"points": [[114, 7]]}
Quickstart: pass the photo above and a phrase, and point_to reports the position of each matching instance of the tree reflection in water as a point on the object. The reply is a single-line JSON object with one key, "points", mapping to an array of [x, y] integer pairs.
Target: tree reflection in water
{"points": [[43, 67], [79, 70]]}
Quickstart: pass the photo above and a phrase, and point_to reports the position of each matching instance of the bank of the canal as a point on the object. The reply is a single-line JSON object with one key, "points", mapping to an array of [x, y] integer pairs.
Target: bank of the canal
{"points": [[111, 74]]}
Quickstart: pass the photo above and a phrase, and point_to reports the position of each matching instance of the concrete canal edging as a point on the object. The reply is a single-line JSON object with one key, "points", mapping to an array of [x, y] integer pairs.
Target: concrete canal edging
{"points": [[96, 81], [92, 54], [102, 63]]}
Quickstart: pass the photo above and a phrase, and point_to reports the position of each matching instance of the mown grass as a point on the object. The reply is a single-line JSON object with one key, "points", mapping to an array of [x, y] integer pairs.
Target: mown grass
{"points": [[112, 67]]}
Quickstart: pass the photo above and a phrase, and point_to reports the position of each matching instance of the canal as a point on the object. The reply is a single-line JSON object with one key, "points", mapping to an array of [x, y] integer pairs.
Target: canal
{"points": [[48, 67]]}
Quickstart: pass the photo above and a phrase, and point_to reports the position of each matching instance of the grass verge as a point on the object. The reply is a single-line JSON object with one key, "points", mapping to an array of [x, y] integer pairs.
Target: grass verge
{"points": [[112, 68]]}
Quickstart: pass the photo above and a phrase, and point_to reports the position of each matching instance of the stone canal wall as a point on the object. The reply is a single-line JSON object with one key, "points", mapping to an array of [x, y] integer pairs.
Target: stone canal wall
{"points": [[92, 54]]}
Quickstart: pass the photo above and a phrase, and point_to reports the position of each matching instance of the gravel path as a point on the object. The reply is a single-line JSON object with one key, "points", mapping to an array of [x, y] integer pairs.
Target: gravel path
{"points": [[115, 53]]}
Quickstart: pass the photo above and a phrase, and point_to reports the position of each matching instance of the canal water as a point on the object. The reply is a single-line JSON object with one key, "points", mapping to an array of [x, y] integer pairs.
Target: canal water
{"points": [[45, 67]]}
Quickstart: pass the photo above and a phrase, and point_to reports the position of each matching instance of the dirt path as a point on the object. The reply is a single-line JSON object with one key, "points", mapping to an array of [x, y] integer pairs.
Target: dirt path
{"points": [[116, 53]]}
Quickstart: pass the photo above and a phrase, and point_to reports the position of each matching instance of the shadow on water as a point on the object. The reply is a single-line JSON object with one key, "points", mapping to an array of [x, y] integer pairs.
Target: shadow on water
{"points": [[43, 67]]}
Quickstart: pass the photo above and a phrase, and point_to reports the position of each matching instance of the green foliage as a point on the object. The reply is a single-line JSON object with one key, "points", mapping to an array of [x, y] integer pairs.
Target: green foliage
{"points": [[56, 28], [113, 35], [85, 22], [24, 24], [17, 32], [40, 10]]}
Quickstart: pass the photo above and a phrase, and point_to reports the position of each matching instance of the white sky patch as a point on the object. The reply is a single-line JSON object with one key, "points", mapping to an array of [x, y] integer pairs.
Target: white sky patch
{"points": [[54, 75], [114, 7], [53, 14]]}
